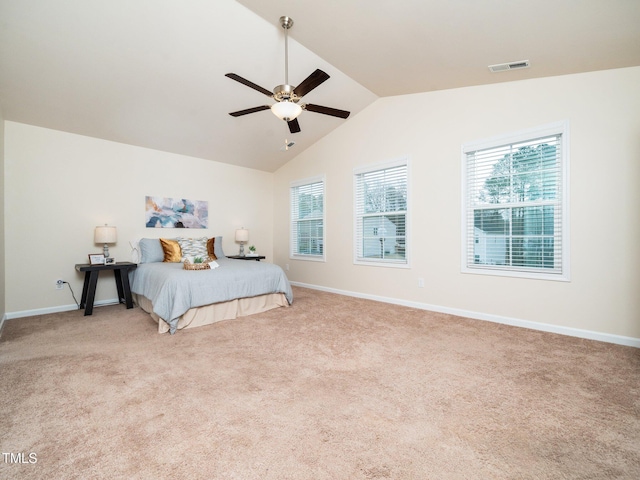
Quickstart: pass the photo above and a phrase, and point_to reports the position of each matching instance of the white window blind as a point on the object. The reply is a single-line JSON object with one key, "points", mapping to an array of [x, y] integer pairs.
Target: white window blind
{"points": [[515, 205], [307, 219], [381, 205]]}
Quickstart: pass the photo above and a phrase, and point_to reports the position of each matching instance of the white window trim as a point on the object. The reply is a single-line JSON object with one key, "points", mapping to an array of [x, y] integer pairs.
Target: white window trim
{"points": [[561, 127], [383, 262], [300, 256]]}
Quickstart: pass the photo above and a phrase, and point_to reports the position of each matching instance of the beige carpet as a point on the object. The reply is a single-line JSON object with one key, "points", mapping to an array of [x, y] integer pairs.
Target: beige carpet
{"points": [[331, 388]]}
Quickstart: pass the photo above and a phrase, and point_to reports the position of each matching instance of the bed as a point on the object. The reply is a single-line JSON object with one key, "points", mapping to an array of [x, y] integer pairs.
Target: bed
{"points": [[177, 298]]}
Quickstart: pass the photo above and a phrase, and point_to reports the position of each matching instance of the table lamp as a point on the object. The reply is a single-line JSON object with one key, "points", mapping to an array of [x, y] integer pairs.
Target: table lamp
{"points": [[105, 235], [242, 236]]}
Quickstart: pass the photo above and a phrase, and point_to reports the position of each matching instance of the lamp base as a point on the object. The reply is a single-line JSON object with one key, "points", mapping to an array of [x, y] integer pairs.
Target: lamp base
{"points": [[241, 253], [106, 250]]}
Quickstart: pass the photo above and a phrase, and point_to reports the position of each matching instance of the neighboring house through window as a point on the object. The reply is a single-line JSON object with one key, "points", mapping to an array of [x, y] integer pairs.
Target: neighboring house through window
{"points": [[307, 219], [381, 207], [515, 204]]}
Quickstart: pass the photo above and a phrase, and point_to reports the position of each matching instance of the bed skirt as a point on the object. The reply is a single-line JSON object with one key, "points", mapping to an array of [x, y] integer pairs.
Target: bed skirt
{"points": [[216, 312]]}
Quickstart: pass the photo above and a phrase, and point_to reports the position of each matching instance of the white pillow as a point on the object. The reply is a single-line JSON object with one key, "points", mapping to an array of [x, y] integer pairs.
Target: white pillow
{"points": [[135, 250]]}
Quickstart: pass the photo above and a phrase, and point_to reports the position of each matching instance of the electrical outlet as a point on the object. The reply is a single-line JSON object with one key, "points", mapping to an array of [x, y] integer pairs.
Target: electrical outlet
{"points": [[59, 284], [286, 267], [421, 282]]}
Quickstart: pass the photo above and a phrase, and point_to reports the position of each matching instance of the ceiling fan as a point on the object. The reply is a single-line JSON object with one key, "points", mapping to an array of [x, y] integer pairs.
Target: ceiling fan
{"points": [[286, 96]]}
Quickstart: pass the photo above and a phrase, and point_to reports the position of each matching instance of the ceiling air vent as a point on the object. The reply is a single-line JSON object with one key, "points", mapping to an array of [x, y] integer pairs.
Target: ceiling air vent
{"points": [[503, 67]]}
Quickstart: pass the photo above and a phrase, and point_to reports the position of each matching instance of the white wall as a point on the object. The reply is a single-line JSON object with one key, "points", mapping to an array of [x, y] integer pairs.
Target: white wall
{"points": [[2, 250], [59, 186], [603, 110]]}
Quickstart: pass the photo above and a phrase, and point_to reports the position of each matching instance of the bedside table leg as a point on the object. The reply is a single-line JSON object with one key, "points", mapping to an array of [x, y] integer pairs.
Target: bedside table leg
{"points": [[124, 289], [118, 274], [128, 298], [85, 289], [90, 292]]}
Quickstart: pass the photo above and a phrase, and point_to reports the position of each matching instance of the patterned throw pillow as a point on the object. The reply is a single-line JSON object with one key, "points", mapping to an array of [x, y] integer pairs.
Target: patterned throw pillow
{"points": [[171, 250], [193, 247]]}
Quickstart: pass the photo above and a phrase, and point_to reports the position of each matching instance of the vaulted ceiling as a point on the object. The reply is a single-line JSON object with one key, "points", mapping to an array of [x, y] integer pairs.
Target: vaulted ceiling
{"points": [[151, 73]]}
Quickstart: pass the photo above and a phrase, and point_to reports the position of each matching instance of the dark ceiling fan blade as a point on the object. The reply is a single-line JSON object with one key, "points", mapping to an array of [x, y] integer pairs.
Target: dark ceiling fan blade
{"points": [[249, 110], [311, 82], [334, 112], [246, 82], [294, 126]]}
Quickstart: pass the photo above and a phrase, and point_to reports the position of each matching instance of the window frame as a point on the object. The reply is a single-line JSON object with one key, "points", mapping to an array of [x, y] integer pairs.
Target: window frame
{"points": [[382, 262], [293, 237], [560, 129]]}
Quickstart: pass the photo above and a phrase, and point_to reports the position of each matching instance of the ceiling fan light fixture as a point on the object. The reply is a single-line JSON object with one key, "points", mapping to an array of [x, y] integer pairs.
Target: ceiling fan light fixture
{"points": [[286, 110]]}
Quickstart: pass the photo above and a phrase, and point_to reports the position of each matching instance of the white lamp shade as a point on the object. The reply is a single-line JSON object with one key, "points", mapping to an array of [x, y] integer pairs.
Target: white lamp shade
{"points": [[105, 234], [242, 235], [286, 110]]}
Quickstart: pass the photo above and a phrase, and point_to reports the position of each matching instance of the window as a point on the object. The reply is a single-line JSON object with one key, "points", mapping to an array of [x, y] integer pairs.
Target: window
{"points": [[307, 219], [381, 206], [515, 205]]}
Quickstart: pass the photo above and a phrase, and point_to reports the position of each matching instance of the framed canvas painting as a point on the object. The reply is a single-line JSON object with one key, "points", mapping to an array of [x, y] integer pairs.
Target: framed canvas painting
{"points": [[162, 212]]}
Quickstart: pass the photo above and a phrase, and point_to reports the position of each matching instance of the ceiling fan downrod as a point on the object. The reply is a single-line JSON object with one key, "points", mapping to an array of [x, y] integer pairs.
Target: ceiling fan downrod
{"points": [[287, 23], [286, 106]]}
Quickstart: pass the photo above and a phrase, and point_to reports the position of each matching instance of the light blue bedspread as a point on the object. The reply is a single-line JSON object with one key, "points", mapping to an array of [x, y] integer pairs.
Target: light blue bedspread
{"points": [[173, 290]]}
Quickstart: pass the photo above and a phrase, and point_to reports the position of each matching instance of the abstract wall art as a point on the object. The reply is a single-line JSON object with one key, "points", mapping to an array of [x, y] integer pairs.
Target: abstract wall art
{"points": [[163, 212]]}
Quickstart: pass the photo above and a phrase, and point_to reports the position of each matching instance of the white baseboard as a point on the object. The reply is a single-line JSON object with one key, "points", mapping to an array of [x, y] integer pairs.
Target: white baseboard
{"points": [[61, 308], [545, 327]]}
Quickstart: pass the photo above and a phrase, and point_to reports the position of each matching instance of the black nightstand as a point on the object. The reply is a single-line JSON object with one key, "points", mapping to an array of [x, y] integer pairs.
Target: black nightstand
{"points": [[257, 258], [91, 272]]}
